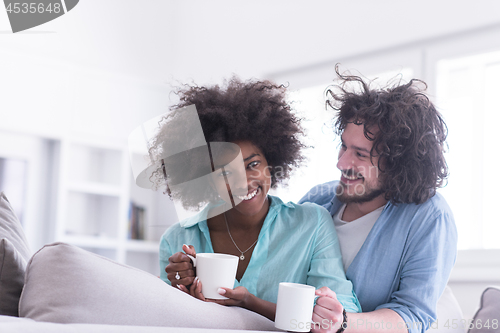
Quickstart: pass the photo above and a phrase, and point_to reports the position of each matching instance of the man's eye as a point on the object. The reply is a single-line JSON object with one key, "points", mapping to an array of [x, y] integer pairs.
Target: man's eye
{"points": [[361, 155]]}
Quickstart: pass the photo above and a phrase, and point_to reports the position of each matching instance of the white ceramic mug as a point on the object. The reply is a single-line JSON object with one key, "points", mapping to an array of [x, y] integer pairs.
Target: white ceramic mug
{"points": [[295, 305], [215, 270]]}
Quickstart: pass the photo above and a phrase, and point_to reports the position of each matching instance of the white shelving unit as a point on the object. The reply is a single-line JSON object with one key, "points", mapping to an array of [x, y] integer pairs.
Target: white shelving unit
{"points": [[95, 190]]}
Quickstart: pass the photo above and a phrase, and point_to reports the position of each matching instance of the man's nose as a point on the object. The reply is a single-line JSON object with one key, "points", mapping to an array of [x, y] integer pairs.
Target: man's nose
{"points": [[345, 161]]}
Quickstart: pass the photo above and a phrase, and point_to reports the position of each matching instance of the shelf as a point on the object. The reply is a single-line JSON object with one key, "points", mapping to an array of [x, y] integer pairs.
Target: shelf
{"points": [[95, 193], [95, 164], [92, 215]]}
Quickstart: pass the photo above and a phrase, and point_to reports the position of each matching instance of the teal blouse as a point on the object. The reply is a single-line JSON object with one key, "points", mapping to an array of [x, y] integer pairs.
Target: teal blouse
{"points": [[297, 243]]}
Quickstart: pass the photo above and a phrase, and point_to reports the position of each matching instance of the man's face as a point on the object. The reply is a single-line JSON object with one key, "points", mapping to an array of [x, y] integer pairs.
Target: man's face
{"points": [[359, 181]]}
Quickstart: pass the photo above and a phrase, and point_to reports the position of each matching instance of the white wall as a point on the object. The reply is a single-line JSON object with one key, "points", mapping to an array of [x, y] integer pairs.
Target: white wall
{"points": [[166, 40]]}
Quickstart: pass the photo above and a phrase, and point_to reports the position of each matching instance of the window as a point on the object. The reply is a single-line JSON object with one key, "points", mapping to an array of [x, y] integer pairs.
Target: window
{"points": [[467, 90], [13, 183], [321, 159]]}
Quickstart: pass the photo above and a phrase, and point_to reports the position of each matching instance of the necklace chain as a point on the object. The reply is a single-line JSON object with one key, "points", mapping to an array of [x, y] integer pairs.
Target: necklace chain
{"points": [[242, 256]]}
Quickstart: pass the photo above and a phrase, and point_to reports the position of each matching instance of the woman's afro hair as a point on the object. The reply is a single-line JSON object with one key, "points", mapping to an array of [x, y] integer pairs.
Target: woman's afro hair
{"points": [[237, 111]]}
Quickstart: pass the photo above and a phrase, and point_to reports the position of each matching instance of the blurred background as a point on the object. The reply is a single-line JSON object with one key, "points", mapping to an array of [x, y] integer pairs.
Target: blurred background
{"points": [[74, 88]]}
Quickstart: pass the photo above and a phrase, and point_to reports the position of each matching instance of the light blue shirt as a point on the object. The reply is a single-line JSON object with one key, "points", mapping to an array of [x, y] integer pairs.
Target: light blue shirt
{"points": [[405, 262], [297, 243]]}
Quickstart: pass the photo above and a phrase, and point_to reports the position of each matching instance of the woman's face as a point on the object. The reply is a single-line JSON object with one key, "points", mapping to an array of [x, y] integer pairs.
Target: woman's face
{"points": [[248, 191]]}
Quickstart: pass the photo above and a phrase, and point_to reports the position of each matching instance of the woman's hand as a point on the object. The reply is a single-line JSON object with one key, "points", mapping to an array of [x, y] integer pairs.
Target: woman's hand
{"points": [[180, 263], [238, 296], [241, 297], [328, 311]]}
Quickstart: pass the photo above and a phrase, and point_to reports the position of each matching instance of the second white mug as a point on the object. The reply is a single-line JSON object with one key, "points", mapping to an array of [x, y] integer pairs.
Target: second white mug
{"points": [[294, 308]]}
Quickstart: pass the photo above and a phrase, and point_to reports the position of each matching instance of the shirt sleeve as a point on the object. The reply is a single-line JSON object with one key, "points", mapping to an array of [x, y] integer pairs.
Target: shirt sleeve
{"points": [[326, 265], [165, 253], [310, 196], [425, 274]]}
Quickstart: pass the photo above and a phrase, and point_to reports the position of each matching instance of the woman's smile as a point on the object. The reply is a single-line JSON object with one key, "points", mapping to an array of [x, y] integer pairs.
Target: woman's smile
{"points": [[251, 194]]}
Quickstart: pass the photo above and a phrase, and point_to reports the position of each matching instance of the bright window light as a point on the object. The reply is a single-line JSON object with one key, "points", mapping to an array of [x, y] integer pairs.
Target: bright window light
{"points": [[467, 90]]}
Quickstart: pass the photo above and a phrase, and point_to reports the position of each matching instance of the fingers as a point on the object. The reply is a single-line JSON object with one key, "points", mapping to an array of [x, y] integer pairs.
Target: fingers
{"points": [[220, 301], [331, 304], [179, 257], [178, 273], [237, 294], [325, 291], [186, 277], [189, 249], [328, 300], [329, 310], [182, 288], [180, 265], [226, 293], [322, 325], [229, 293], [195, 290]]}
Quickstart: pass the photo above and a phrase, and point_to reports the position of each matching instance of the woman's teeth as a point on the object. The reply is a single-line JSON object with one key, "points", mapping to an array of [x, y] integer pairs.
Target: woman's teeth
{"points": [[248, 196]]}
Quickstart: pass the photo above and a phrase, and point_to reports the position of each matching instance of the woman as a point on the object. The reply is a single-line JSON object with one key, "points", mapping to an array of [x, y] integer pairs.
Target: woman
{"points": [[276, 241]]}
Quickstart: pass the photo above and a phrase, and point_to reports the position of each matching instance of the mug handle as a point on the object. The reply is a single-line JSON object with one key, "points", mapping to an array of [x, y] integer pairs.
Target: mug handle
{"points": [[193, 259]]}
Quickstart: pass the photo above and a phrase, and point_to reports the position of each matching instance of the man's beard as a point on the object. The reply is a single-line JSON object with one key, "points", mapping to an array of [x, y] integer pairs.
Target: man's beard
{"points": [[368, 194]]}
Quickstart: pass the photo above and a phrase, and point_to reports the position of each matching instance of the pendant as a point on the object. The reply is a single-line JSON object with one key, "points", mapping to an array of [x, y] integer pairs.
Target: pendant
{"points": [[242, 257]]}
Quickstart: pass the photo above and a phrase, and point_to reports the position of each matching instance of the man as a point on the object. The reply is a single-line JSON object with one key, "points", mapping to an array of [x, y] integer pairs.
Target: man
{"points": [[397, 235]]}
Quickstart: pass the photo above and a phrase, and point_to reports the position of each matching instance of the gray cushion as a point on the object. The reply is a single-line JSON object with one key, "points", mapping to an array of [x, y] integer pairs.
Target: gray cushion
{"points": [[14, 254], [65, 284], [487, 318]]}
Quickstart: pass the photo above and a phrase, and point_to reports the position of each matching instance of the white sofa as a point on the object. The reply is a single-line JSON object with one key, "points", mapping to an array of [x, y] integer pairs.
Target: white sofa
{"points": [[62, 288]]}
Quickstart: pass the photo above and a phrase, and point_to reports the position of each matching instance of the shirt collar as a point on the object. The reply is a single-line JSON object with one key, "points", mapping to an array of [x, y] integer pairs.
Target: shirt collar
{"points": [[274, 209]]}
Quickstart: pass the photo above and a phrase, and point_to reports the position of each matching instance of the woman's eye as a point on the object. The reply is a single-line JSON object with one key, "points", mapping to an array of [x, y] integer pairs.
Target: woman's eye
{"points": [[224, 173], [253, 164], [360, 155]]}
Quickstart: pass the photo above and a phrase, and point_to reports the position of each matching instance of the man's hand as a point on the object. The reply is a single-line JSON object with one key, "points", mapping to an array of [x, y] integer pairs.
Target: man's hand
{"points": [[327, 311]]}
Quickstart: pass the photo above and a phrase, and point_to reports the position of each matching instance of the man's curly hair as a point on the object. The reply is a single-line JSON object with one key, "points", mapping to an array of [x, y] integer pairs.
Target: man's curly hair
{"points": [[410, 140], [237, 111]]}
